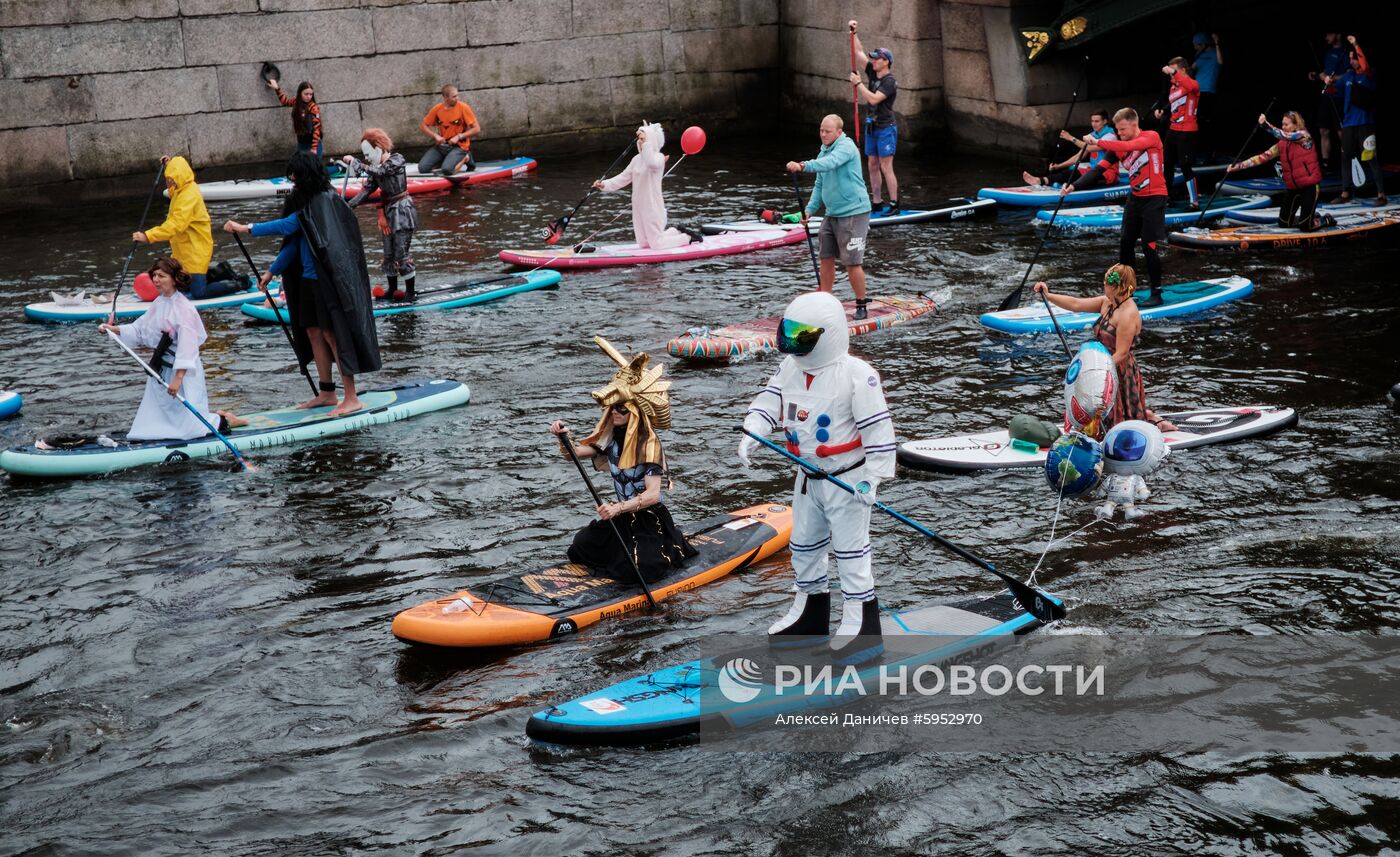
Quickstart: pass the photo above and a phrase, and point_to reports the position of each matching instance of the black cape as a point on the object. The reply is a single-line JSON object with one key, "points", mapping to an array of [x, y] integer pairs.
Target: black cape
{"points": [[343, 290]]}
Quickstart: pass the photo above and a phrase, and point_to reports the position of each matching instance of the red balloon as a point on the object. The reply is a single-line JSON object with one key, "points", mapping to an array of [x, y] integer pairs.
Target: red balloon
{"points": [[144, 288], [693, 140]]}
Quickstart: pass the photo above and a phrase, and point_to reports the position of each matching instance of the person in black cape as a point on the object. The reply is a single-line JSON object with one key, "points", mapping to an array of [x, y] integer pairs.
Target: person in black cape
{"points": [[325, 281]]}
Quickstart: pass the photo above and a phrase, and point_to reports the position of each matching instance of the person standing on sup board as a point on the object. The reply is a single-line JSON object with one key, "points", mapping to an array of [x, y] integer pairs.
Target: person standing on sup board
{"points": [[1205, 68], [306, 115], [171, 327], [831, 409], [386, 171], [1302, 172], [1182, 129], [878, 91], [1330, 106], [1358, 85], [322, 265], [840, 189], [1066, 170], [1117, 329], [625, 444], [1145, 211], [452, 124], [644, 173]]}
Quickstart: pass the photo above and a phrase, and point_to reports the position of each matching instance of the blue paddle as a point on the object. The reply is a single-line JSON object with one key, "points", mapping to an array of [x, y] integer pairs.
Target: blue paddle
{"points": [[242, 463], [1032, 600]]}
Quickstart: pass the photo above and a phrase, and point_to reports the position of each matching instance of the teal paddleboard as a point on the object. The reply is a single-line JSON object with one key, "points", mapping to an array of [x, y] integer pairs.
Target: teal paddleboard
{"points": [[1178, 299], [450, 297]]}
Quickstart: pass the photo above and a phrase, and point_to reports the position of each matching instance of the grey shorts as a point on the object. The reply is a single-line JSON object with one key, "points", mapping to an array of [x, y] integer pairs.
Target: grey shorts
{"points": [[843, 238]]}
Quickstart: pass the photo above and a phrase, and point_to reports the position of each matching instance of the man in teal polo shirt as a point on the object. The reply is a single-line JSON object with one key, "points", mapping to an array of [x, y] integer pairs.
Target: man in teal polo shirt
{"points": [[840, 189]]}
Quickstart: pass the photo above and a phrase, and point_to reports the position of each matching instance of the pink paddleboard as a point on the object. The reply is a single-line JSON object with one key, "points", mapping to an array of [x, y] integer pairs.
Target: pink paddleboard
{"points": [[607, 255]]}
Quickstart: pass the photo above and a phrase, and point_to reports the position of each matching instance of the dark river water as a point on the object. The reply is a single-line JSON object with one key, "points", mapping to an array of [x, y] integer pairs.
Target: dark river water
{"points": [[199, 661]]}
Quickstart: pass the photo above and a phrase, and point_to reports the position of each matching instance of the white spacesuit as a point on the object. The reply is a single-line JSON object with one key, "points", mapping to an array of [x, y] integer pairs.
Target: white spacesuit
{"points": [[832, 411]]}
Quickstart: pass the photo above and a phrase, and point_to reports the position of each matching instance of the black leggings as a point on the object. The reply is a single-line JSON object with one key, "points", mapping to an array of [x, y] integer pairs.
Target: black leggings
{"points": [[1144, 219], [1353, 139], [1298, 208], [1180, 148], [1065, 175]]}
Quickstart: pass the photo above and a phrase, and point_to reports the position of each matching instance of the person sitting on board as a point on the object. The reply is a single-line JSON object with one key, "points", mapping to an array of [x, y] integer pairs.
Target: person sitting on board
{"points": [[187, 228], [644, 173], [831, 409], [306, 115], [881, 135], [1145, 210], [1182, 129], [325, 284], [1067, 170], [171, 327], [386, 171], [1302, 172], [1117, 328], [452, 124], [840, 189], [635, 404], [1358, 86]]}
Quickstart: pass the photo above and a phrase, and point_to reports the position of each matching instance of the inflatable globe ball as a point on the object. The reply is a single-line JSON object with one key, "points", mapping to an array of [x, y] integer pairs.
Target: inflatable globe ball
{"points": [[1133, 447], [1091, 382], [1074, 465]]}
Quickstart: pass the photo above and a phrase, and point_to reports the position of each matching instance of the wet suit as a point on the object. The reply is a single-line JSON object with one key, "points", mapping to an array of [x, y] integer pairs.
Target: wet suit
{"points": [[1145, 211]]}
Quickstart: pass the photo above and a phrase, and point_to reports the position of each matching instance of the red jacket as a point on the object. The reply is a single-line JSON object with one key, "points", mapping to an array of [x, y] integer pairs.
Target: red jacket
{"points": [[1184, 97], [1142, 158]]}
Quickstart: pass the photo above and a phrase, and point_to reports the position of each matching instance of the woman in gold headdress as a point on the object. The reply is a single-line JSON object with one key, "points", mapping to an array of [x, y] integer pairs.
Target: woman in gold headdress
{"points": [[624, 443]]}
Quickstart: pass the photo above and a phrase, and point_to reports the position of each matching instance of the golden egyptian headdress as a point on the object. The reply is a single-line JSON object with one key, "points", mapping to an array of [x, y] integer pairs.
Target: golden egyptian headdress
{"points": [[646, 395]]}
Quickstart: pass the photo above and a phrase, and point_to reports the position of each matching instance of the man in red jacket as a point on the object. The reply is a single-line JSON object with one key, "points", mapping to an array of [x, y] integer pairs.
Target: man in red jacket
{"points": [[1145, 212], [1180, 145]]}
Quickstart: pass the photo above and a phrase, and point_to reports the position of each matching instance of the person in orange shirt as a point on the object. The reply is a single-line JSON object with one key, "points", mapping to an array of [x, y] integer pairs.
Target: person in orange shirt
{"points": [[452, 125]]}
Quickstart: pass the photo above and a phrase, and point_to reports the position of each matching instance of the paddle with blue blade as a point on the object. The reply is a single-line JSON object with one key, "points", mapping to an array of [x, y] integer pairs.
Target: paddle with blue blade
{"points": [[1032, 600]]}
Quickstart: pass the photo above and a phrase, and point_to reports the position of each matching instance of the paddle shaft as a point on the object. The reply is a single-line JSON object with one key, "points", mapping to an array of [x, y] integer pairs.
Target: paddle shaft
{"points": [[1205, 209], [1355, 167], [1055, 321], [181, 396], [1014, 299], [306, 373], [806, 230], [563, 222], [1033, 601], [855, 91], [145, 212], [568, 444]]}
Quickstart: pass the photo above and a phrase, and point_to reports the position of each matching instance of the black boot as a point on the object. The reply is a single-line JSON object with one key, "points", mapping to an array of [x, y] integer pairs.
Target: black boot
{"points": [[696, 236], [1154, 298], [807, 623], [861, 310], [858, 638], [409, 289]]}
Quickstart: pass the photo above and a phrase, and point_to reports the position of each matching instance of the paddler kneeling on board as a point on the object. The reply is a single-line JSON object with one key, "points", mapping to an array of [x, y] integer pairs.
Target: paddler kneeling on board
{"points": [[624, 443], [644, 173], [171, 327], [1117, 328], [831, 408]]}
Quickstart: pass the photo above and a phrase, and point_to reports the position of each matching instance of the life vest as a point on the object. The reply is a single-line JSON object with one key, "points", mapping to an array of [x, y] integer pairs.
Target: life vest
{"points": [[1300, 164]]}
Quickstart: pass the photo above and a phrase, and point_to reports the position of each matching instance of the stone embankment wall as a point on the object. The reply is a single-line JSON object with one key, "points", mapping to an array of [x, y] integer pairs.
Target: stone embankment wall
{"points": [[96, 89], [100, 88]]}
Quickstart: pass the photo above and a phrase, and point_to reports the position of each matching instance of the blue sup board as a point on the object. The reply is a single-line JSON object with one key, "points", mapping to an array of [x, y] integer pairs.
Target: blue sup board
{"points": [[264, 429], [668, 703], [9, 404], [1179, 299], [129, 306], [947, 211], [1111, 216], [450, 297]]}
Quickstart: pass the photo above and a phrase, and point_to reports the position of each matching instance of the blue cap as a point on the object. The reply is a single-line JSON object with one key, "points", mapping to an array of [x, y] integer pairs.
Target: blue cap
{"points": [[1200, 39], [882, 54]]}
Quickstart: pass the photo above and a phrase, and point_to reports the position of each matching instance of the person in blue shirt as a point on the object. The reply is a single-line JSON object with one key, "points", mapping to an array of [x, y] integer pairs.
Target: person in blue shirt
{"points": [[1206, 66], [1358, 86], [1329, 108], [840, 189]]}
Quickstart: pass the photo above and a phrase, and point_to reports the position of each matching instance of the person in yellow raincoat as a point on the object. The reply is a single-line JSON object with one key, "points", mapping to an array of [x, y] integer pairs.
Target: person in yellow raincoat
{"points": [[187, 229]]}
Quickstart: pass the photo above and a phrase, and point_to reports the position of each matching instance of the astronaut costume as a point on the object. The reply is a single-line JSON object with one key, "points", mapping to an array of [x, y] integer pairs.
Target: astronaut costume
{"points": [[831, 408]]}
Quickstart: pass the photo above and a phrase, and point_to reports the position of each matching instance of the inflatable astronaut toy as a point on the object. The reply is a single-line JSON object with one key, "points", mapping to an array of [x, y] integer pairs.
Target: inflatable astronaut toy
{"points": [[1132, 449]]}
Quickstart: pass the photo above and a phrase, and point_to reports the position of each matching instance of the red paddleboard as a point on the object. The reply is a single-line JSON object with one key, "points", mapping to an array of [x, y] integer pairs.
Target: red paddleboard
{"points": [[608, 255], [762, 334]]}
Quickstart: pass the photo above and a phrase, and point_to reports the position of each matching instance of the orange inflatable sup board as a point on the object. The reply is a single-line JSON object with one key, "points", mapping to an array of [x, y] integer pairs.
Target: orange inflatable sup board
{"points": [[543, 605]]}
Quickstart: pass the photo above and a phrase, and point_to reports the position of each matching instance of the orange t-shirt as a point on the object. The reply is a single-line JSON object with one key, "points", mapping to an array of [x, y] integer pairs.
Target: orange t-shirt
{"points": [[451, 121]]}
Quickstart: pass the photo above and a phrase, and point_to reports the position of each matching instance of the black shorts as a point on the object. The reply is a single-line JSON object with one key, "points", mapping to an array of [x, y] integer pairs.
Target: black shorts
{"points": [[1329, 112], [1146, 217]]}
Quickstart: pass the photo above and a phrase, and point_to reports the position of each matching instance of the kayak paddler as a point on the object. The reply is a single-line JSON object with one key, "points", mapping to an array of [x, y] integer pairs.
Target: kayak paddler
{"points": [[636, 403]]}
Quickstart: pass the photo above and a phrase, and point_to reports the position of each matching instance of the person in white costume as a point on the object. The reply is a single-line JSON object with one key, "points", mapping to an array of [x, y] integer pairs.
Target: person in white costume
{"points": [[644, 173], [173, 330], [831, 408]]}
